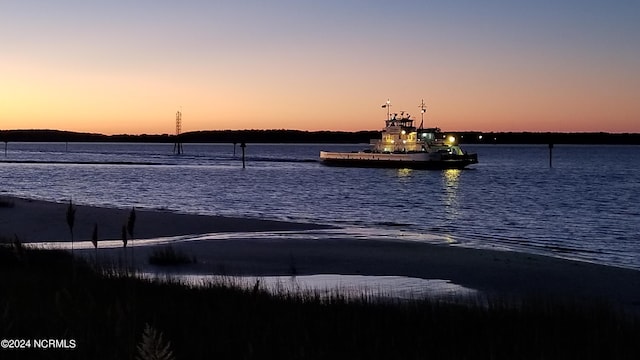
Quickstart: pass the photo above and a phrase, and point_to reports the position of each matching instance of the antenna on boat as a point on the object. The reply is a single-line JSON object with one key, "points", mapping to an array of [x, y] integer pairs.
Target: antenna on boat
{"points": [[388, 106], [423, 109]]}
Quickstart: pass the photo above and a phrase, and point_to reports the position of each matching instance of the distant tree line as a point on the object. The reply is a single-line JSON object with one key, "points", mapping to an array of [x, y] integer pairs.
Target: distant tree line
{"points": [[279, 136], [212, 136], [474, 137], [298, 136]]}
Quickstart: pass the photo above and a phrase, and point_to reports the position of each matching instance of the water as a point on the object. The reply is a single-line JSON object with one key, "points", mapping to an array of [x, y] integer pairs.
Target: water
{"points": [[586, 207], [330, 285]]}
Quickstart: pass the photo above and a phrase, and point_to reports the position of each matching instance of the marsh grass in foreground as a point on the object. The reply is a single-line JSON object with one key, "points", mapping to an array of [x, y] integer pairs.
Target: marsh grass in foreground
{"points": [[167, 255], [107, 314]]}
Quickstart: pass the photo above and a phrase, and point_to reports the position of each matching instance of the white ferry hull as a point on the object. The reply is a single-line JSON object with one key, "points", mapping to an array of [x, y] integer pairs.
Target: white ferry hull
{"points": [[414, 160]]}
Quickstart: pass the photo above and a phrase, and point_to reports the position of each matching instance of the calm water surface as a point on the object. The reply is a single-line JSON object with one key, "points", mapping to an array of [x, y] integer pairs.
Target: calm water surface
{"points": [[586, 207]]}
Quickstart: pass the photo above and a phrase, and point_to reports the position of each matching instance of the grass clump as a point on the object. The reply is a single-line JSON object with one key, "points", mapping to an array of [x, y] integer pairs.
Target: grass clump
{"points": [[168, 256], [153, 347]]}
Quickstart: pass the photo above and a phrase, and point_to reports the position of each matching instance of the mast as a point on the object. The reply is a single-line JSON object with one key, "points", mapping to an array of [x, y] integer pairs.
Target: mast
{"points": [[388, 106], [423, 109]]}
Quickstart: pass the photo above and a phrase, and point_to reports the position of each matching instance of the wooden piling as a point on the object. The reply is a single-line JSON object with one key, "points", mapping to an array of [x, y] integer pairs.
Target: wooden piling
{"points": [[243, 145]]}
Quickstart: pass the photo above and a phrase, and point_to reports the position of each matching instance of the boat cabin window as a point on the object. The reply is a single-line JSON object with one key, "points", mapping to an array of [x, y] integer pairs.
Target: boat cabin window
{"points": [[428, 136]]}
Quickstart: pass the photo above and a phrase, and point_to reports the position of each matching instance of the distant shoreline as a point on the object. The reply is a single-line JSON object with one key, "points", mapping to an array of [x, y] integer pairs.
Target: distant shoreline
{"points": [[322, 137]]}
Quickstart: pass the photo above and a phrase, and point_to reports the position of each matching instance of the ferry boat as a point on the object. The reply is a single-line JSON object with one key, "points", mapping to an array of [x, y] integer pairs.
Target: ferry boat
{"points": [[402, 145]]}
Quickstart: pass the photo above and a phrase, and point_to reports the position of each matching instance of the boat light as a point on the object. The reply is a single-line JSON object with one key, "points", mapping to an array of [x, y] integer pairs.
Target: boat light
{"points": [[451, 139], [403, 132]]}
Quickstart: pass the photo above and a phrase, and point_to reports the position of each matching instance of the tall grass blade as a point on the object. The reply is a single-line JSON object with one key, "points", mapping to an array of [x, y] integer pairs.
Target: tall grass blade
{"points": [[123, 234], [152, 346], [94, 240], [131, 223], [71, 219]]}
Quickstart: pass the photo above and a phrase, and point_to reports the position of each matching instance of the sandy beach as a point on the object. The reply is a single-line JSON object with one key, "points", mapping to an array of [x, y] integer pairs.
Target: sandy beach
{"points": [[40, 221], [501, 273]]}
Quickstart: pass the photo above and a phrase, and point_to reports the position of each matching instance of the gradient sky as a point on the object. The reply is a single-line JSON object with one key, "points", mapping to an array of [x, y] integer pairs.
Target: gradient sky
{"points": [[112, 66]]}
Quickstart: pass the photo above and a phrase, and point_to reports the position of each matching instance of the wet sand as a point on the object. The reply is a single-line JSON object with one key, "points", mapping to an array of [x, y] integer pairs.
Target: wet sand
{"points": [[501, 273], [40, 221]]}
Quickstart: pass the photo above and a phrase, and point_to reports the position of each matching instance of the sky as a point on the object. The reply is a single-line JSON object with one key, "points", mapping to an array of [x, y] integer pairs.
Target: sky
{"points": [[114, 67]]}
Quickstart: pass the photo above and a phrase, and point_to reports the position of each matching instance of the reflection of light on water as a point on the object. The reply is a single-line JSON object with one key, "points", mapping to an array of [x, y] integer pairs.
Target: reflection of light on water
{"points": [[452, 175], [451, 180], [333, 284], [402, 173], [449, 239]]}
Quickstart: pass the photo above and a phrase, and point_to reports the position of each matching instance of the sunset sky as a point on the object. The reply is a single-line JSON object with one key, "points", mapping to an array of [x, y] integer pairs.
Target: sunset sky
{"points": [[112, 66]]}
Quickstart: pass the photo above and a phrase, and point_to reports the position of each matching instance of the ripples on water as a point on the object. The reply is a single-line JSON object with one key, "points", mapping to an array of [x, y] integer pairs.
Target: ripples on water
{"points": [[585, 207]]}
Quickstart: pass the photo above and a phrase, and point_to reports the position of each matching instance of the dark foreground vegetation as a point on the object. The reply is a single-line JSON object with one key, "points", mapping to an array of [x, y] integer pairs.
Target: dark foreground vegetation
{"points": [[168, 256], [298, 136], [116, 316]]}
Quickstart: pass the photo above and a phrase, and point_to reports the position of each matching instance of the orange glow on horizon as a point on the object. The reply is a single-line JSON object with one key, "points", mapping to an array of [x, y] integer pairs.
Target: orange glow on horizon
{"points": [[142, 104]]}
